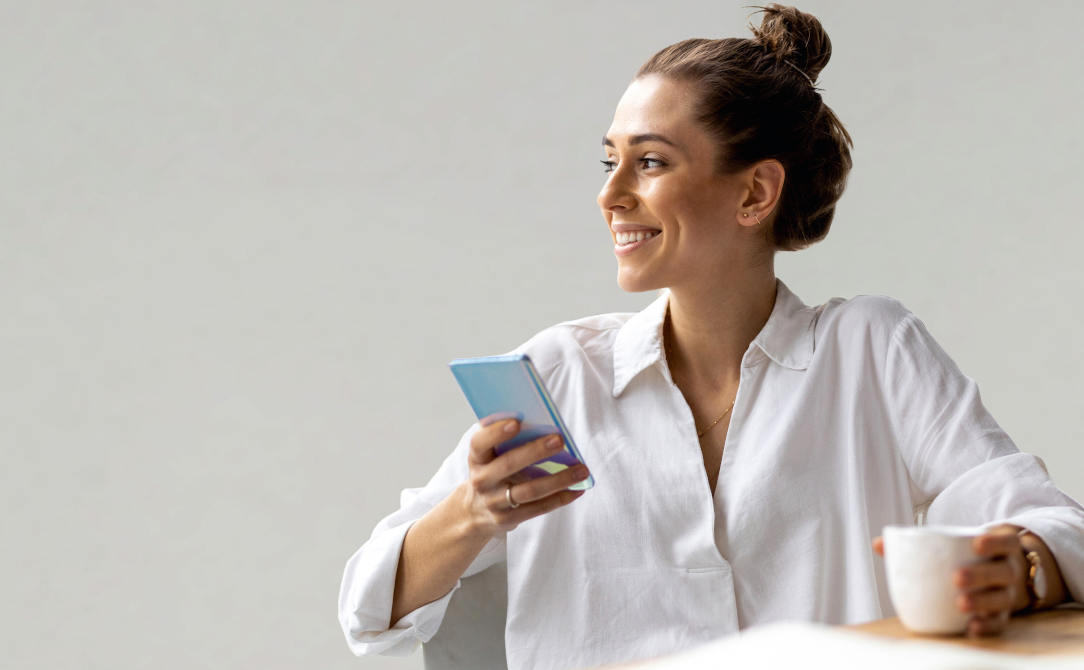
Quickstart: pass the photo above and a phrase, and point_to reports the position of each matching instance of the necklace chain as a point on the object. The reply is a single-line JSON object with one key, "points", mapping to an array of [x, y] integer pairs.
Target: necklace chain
{"points": [[701, 433]]}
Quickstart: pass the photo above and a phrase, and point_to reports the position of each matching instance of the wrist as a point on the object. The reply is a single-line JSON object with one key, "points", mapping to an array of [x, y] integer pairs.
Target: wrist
{"points": [[471, 525]]}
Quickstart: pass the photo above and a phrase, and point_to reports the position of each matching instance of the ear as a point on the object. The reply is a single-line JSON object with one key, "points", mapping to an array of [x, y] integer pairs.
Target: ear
{"points": [[764, 187]]}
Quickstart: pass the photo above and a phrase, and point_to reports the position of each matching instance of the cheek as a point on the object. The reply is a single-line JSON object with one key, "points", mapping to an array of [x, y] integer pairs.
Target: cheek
{"points": [[691, 205], [670, 205]]}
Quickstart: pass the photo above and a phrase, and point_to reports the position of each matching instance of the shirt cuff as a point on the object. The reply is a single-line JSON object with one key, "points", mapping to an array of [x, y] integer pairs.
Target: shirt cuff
{"points": [[1062, 530], [366, 596]]}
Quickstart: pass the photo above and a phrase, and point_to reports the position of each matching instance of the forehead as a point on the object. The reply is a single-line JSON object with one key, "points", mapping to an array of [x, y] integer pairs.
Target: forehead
{"points": [[655, 104]]}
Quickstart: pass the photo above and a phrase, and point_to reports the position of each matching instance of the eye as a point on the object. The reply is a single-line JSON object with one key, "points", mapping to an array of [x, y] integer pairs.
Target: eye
{"points": [[648, 163]]}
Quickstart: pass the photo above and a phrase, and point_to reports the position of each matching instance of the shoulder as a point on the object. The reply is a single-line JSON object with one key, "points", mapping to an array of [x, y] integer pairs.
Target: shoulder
{"points": [[864, 323], [876, 315], [588, 340]]}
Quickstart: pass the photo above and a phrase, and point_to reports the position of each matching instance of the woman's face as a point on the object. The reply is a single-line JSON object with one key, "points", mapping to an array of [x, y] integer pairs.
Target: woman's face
{"points": [[663, 186]]}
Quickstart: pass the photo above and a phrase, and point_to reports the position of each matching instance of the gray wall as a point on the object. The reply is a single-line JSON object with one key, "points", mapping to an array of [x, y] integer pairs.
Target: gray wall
{"points": [[239, 241]]}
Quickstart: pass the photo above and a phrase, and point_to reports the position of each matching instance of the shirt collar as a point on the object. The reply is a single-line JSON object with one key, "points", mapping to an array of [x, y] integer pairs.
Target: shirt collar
{"points": [[787, 338]]}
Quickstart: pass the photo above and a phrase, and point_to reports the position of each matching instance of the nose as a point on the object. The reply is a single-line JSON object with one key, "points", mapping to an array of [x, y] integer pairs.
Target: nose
{"points": [[616, 193]]}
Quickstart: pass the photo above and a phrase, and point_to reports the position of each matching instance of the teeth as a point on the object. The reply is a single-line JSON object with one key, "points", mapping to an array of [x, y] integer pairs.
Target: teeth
{"points": [[640, 235]]}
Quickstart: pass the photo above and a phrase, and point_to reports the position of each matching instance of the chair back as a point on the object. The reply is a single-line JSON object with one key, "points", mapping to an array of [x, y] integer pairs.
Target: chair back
{"points": [[471, 637]]}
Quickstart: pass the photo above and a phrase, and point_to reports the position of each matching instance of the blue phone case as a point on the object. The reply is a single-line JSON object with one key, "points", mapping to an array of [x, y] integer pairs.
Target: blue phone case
{"points": [[510, 386]]}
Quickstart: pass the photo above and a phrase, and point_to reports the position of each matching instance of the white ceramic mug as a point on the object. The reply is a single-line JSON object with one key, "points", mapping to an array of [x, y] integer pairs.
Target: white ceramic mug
{"points": [[920, 562]]}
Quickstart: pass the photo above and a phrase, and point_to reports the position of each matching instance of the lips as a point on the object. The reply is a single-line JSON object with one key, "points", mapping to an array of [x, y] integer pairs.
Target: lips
{"points": [[629, 243], [630, 227], [624, 238], [627, 233]]}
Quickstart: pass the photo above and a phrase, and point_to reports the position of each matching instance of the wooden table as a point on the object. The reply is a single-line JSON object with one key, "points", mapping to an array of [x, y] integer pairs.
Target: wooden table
{"points": [[1056, 631], [1057, 634]]}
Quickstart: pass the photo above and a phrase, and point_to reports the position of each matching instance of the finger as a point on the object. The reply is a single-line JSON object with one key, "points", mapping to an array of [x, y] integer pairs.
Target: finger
{"points": [[992, 625], [985, 603], [499, 416], [508, 467], [489, 436], [517, 478], [507, 519], [514, 460], [985, 575], [996, 544], [879, 545], [537, 489]]}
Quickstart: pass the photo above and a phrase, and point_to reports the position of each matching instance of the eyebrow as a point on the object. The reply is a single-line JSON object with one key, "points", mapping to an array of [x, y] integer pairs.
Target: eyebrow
{"points": [[645, 137]]}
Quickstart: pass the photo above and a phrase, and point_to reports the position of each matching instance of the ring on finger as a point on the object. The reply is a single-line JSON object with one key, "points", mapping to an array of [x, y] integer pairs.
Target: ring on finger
{"points": [[512, 504]]}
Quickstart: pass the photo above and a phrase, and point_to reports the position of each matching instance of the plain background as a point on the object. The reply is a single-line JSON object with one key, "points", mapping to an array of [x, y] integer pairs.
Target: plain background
{"points": [[239, 242]]}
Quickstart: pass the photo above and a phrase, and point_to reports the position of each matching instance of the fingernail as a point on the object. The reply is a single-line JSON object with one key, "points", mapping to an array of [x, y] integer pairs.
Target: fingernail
{"points": [[510, 427], [553, 442], [580, 472]]}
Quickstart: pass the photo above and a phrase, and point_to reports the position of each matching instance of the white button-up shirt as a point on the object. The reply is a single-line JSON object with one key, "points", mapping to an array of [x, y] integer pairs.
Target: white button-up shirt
{"points": [[848, 417]]}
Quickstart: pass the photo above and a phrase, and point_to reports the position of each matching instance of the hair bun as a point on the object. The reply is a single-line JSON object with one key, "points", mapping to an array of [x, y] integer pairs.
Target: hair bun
{"points": [[795, 37]]}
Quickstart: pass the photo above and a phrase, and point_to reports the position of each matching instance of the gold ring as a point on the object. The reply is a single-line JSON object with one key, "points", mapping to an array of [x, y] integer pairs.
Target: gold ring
{"points": [[512, 504]]}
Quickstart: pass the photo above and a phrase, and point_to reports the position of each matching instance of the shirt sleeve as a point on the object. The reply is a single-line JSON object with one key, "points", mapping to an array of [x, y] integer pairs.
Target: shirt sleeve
{"points": [[368, 585], [962, 464]]}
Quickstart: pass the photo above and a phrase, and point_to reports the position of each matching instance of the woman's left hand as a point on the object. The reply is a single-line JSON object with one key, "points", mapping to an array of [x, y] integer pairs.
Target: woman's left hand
{"points": [[993, 588]]}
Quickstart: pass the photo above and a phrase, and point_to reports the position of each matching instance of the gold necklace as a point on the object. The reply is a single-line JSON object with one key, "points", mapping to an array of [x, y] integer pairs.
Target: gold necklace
{"points": [[701, 433]]}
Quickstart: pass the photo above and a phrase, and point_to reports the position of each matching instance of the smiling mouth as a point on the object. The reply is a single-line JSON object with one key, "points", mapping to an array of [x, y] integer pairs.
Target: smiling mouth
{"points": [[624, 239]]}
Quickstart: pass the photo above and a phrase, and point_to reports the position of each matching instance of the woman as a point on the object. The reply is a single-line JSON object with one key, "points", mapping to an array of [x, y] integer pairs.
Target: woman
{"points": [[748, 448]]}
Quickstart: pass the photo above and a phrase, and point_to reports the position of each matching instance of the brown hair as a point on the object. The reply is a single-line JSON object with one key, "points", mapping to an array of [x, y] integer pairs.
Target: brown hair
{"points": [[758, 97]]}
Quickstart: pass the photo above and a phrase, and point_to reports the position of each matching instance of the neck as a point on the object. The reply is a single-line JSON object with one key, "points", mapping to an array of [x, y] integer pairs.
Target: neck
{"points": [[709, 327]]}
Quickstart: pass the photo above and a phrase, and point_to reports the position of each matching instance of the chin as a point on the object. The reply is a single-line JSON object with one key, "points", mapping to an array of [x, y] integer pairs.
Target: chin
{"points": [[631, 282]]}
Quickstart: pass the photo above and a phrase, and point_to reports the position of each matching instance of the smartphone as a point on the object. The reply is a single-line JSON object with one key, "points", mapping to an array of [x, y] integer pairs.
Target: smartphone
{"points": [[510, 386]]}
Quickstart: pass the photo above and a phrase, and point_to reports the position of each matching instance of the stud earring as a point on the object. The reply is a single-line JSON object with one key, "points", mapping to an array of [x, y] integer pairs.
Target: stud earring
{"points": [[745, 215]]}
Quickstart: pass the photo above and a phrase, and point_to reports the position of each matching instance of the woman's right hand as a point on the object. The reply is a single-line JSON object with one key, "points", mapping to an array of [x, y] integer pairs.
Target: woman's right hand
{"points": [[493, 479], [440, 546]]}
